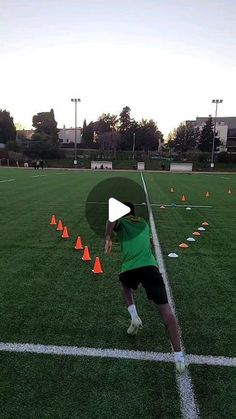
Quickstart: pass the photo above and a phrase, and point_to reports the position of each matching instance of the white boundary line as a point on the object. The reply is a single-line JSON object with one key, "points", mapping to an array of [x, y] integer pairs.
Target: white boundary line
{"points": [[189, 405], [182, 205], [8, 180], [155, 204], [114, 353], [39, 175]]}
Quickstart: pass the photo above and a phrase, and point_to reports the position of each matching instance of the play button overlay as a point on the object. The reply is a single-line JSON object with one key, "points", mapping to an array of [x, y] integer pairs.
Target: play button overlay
{"points": [[116, 209], [106, 200]]}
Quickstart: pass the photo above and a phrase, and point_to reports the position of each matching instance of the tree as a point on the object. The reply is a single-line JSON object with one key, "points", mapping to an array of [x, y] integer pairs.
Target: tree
{"points": [[44, 122], [88, 136], [19, 126], [125, 121], [184, 138], [206, 138], [41, 146], [148, 136], [110, 121], [7, 127]]}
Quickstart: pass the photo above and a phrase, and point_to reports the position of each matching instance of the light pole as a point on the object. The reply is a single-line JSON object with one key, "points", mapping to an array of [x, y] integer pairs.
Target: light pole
{"points": [[75, 100], [133, 143], [216, 101]]}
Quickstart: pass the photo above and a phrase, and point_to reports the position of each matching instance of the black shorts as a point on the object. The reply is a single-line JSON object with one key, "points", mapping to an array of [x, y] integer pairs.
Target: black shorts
{"points": [[151, 280]]}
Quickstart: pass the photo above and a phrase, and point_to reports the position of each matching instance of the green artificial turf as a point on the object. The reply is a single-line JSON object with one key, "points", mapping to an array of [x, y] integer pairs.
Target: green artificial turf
{"points": [[42, 386], [203, 277], [49, 295]]}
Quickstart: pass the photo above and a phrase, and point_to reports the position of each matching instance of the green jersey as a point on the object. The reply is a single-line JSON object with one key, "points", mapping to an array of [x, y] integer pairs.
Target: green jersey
{"points": [[134, 236]]}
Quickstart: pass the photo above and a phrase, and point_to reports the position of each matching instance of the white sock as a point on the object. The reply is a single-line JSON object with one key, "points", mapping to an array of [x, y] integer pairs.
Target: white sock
{"points": [[132, 311], [178, 356]]}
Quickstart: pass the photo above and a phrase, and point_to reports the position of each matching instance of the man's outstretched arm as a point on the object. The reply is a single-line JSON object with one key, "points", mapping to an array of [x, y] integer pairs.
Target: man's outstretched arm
{"points": [[108, 233]]}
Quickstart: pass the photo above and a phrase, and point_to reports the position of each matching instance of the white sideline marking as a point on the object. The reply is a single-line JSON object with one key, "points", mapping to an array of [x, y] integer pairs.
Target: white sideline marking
{"points": [[39, 175], [189, 407], [157, 204], [182, 205], [8, 180], [113, 353]]}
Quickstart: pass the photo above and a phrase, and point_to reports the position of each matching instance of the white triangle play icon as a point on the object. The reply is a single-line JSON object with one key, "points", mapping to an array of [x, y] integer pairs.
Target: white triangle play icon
{"points": [[116, 209]]}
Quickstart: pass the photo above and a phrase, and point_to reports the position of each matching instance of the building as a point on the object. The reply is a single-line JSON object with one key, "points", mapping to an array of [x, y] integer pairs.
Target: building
{"points": [[225, 130], [25, 133], [67, 135]]}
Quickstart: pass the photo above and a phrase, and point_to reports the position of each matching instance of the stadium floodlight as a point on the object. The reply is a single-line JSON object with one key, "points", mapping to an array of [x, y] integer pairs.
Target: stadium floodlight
{"points": [[216, 101], [75, 100]]}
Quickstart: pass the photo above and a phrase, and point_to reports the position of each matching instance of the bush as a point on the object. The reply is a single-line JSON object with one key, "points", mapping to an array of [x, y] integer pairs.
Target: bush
{"points": [[224, 157]]}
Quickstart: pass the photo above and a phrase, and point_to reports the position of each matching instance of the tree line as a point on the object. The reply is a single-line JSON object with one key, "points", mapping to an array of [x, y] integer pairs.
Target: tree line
{"points": [[112, 132], [109, 132]]}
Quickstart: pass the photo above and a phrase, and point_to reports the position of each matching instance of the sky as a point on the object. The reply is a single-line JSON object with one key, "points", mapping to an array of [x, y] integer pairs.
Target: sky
{"points": [[165, 59]]}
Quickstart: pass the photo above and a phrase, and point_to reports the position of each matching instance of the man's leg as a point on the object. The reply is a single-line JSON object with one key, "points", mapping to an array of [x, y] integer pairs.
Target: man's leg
{"points": [[170, 323], [136, 322]]}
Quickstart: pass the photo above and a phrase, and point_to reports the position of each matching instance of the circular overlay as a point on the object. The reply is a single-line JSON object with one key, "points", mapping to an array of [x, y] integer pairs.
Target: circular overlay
{"points": [[121, 188]]}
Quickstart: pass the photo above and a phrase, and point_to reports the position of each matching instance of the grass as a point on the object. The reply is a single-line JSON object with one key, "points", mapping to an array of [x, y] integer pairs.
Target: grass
{"points": [[48, 295], [203, 277], [66, 387]]}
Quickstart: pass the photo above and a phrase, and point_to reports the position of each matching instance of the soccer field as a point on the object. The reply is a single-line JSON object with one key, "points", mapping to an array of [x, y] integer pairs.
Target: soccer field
{"points": [[49, 296]]}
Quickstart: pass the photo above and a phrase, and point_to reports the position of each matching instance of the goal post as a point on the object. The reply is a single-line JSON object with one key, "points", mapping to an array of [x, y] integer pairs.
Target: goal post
{"points": [[181, 167], [101, 164]]}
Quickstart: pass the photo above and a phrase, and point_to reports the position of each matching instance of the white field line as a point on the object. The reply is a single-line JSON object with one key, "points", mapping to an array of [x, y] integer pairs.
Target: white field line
{"points": [[114, 353], [189, 406], [8, 180], [156, 204], [182, 205], [39, 175]]}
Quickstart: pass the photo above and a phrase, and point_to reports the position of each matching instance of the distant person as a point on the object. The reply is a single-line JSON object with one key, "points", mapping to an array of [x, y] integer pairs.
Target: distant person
{"points": [[37, 164], [140, 266], [34, 164], [101, 167]]}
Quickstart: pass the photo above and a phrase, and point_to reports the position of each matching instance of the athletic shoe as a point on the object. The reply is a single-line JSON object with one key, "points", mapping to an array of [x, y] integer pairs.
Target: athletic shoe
{"points": [[135, 325], [180, 363]]}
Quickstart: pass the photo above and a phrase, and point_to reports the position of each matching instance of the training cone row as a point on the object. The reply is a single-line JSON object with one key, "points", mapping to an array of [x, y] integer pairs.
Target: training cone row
{"points": [[97, 267], [190, 239], [195, 233]]}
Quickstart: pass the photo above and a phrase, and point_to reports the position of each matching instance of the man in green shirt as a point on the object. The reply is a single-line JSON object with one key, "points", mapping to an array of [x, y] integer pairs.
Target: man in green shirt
{"points": [[140, 266]]}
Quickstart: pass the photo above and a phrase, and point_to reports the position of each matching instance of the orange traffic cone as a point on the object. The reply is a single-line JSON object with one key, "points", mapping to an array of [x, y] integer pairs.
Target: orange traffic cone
{"points": [[196, 233], [78, 244], [65, 234], [183, 245], [183, 199], [229, 192], [86, 255], [205, 223], [53, 221], [207, 194], [97, 269], [59, 226], [172, 189]]}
